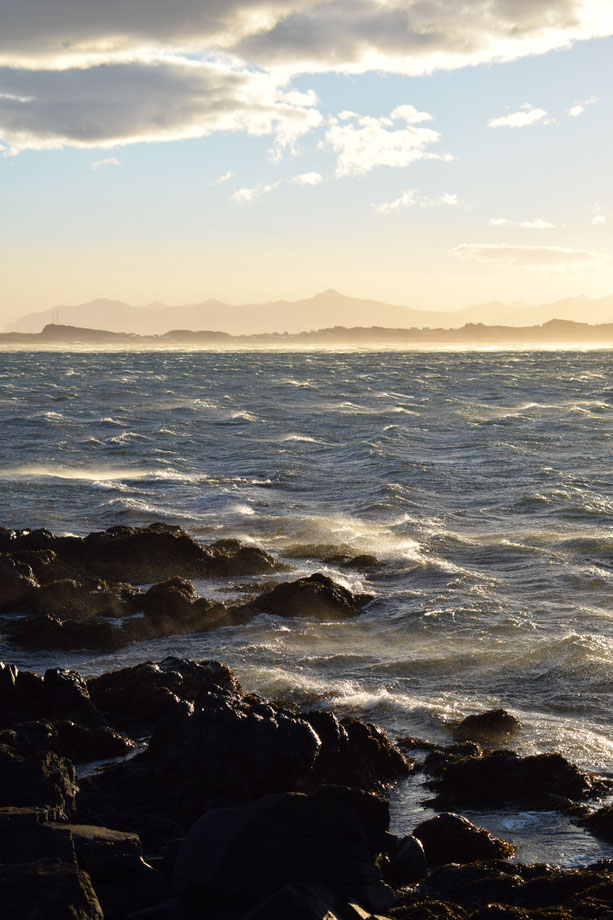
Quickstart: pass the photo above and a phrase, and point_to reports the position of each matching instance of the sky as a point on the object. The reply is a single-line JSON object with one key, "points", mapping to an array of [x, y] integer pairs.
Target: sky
{"points": [[431, 153]]}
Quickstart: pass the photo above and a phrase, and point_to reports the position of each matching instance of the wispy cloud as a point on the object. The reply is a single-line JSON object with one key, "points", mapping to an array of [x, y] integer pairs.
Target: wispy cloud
{"points": [[249, 195], [598, 217], [224, 178], [308, 178], [552, 258], [411, 198], [107, 161], [526, 116], [579, 107], [537, 223], [363, 142]]}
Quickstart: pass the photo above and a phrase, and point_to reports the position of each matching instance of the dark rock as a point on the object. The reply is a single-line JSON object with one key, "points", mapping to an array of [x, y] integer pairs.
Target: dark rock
{"points": [[450, 838], [139, 555], [500, 912], [496, 726], [173, 607], [307, 902], [473, 885], [42, 779], [137, 696], [225, 749], [18, 586], [312, 596], [438, 759], [47, 890], [329, 839], [600, 823], [61, 694], [77, 742], [406, 862], [428, 910], [49, 632], [541, 781]]}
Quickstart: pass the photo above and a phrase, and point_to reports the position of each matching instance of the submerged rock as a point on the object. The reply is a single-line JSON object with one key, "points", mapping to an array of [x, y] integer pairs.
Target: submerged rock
{"points": [[312, 596], [450, 838]]}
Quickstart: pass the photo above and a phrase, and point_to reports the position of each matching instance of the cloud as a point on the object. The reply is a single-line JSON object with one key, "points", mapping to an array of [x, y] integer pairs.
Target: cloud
{"points": [[249, 195], [536, 223], [224, 178], [528, 116], [107, 161], [161, 101], [304, 35], [579, 107], [599, 219], [363, 142], [124, 71], [412, 198], [555, 258], [308, 178]]}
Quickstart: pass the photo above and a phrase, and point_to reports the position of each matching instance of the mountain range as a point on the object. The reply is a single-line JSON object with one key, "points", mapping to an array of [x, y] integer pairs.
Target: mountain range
{"points": [[330, 308]]}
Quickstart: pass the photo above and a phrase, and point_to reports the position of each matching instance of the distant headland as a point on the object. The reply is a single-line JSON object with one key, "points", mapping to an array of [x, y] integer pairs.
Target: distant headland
{"points": [[556, 332]]}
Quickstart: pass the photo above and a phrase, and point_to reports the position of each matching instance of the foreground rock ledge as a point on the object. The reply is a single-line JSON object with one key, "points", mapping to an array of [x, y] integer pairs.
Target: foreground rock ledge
{"points": [[245, 810]]}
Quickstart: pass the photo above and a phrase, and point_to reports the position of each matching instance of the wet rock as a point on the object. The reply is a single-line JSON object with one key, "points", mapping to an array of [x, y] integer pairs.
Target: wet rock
{"points": [[496, 726], [227, 749], [439, 758], [450, 838], [406, 862], [329, 839], [600, 823], [43, 779], [140, 555], [59, 695], [79, 743], [541, 781], [312, 596], [96, 868], [474, 885], [173, 606], [50, 632], [427, 910], [48, 890], [18, 585], [136, 697], [356, 753], [231, 557]]}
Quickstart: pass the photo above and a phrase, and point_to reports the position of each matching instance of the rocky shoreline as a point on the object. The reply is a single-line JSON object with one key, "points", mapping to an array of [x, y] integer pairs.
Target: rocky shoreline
{"points": [[166, 791]]}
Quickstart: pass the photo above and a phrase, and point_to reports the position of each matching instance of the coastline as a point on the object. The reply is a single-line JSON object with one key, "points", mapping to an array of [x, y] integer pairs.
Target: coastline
{"points": [[190, 739]]}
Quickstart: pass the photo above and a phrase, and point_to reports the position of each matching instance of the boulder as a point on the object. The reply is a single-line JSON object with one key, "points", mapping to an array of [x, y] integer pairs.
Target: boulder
{"points": [[60, 694], [48, 890], [173, 607], [18, 586], [450, 838], [330, 838], [541, 781], [136, 697], [79, 743], [227, 749], [406, 862], [493, 727], [43, 779], [600, 823], [313, 596]]}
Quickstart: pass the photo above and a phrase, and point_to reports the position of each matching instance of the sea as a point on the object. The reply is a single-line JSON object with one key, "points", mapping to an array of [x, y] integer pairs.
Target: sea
{"points": [[479, 483]]}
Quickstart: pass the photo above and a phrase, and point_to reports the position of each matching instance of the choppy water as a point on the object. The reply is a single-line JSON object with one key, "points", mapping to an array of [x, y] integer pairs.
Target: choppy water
{"points": [[482, 482]]}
